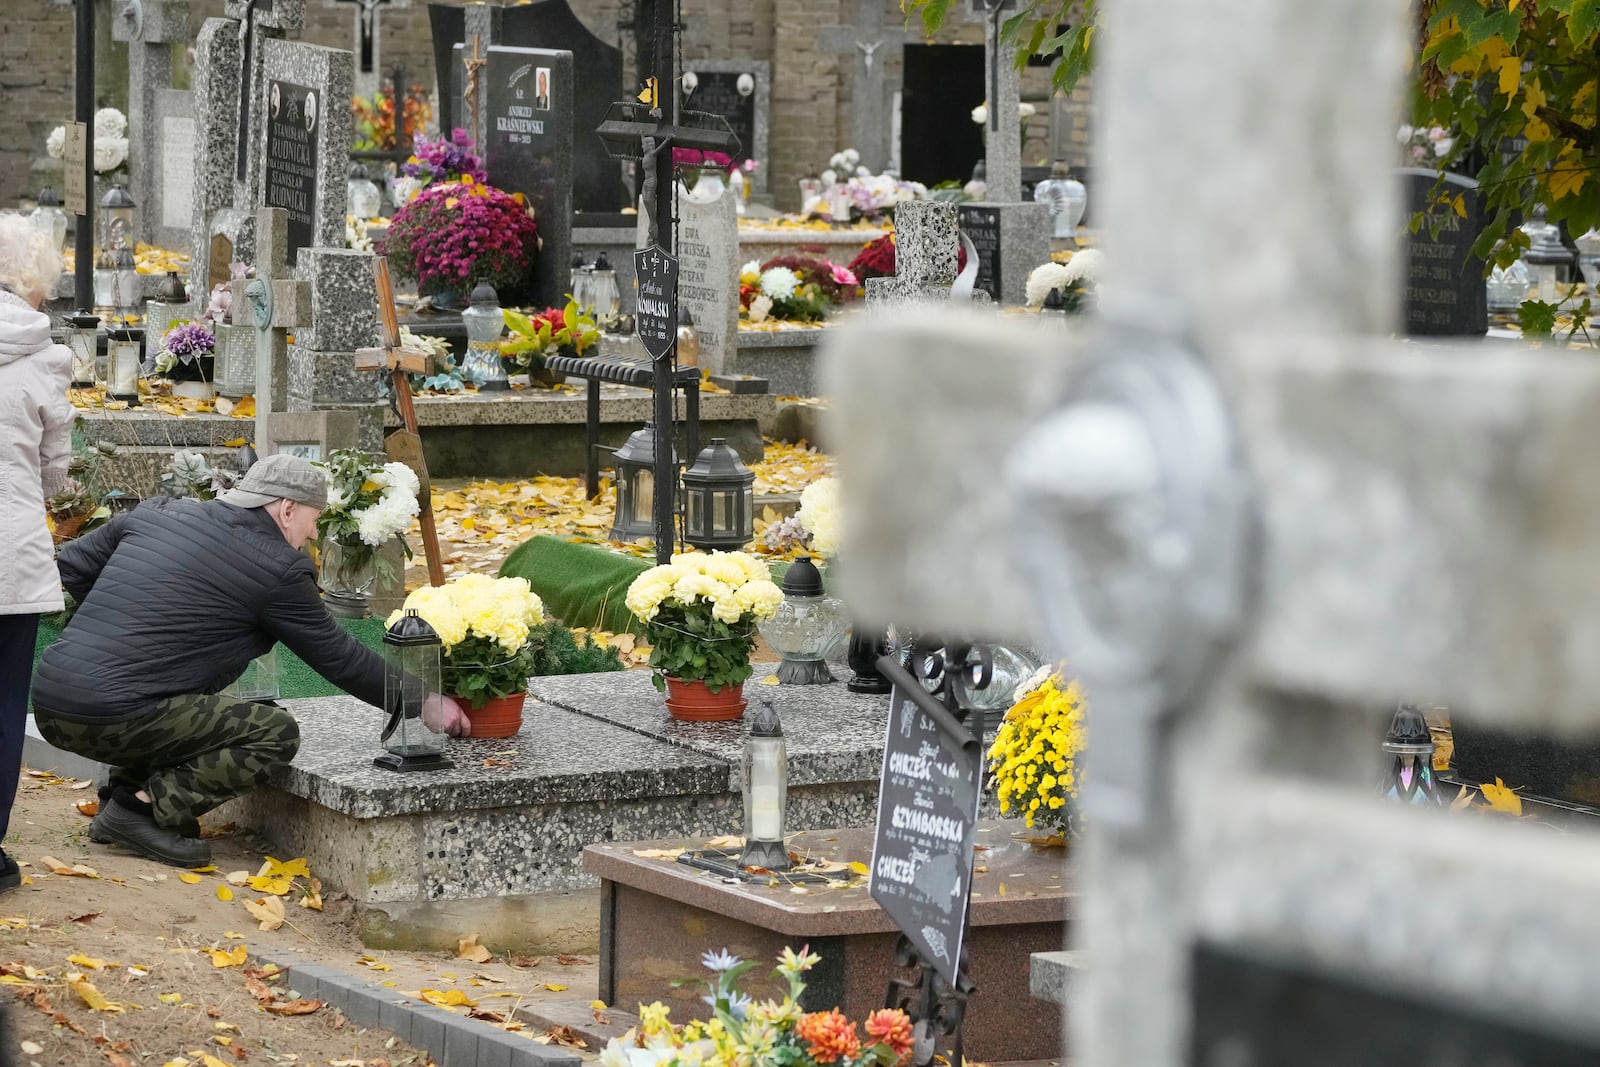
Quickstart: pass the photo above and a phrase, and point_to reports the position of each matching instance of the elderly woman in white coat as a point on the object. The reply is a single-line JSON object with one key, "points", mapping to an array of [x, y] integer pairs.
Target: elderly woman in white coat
{"points": [[35, 445]]}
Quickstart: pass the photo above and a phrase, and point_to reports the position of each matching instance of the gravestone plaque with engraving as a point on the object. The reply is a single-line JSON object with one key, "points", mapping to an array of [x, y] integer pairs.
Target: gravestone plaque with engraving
{"points": [[982, 225], [1444, 289], [529, 150], [656, 321], [293, 112], [921, 872]]}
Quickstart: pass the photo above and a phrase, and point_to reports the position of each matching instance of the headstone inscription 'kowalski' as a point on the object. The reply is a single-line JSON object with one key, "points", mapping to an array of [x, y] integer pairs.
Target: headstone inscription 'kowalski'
{"points": [[921, 871]]}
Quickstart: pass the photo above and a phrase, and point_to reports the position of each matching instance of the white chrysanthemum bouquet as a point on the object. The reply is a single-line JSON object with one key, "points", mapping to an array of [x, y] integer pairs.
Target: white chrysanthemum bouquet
{"points": [[110, 141], [1078, 280], [815, 525], [487, 627], [700, 613], [368, 505]]}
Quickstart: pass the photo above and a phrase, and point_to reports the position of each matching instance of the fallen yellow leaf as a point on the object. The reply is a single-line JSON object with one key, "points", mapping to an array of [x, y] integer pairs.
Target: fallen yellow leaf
{"points": [[223, 892], [1501, 797], [858, 867], [554, 987], [188, 879], [467, 948], [86, 961], [225, 958], [90, 995], [231, 936], [237, 442], [268, 911], [78, 870], [238, 877], [448, 998], [171, 998], [293, 1007], [374, 963]]}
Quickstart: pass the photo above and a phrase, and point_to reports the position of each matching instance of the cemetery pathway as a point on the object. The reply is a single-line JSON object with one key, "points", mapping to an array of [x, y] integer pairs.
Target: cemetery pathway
{"points": [[175, 972]]}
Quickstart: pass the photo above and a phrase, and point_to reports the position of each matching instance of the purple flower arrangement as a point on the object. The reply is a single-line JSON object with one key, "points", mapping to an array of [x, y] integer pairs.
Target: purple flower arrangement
{"points": [[182, 351], [445, 160], [452, 234]]}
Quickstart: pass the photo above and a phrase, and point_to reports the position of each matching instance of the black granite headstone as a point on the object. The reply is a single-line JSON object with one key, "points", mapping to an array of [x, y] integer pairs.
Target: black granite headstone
{"points": [[982, 225], [1444, 288], [551, 25], [290, 180], [718, 93], [528, 150], [921, 870]]}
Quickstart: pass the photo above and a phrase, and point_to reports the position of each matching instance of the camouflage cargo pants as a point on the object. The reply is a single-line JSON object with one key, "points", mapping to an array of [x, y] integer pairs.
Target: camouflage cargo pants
{"points": [[189, 753]]}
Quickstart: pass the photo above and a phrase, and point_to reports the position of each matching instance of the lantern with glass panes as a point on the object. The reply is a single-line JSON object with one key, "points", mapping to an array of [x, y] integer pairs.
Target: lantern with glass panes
{"points": [[124, 352], [808, 627], [1548, 260], [719, 499], [485, 321], [83, 340], [169, 307], [764, 780], [361, 196], [604, 295], [636, 485], [259, 680], [49, 219], [411, 651], [105, 283]]}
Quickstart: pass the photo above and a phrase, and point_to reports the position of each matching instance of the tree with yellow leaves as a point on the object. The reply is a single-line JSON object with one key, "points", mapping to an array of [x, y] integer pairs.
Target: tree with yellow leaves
{"points": [[1496, 71]]}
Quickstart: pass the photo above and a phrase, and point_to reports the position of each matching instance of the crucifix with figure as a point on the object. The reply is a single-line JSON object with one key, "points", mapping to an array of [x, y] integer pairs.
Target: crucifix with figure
{"points": [[868, 45]]}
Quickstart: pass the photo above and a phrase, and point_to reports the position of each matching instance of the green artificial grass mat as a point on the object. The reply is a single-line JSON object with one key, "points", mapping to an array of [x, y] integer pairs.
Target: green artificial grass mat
{"points": [[586, 585], [295, 679]]}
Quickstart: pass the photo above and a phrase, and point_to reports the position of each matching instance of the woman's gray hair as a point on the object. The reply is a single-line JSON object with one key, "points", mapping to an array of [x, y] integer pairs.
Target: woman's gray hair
{"points": [[29, 262]]}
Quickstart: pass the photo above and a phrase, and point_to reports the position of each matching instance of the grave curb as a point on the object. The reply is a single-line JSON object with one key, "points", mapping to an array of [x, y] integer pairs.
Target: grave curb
{"points": [[452, 1040]]}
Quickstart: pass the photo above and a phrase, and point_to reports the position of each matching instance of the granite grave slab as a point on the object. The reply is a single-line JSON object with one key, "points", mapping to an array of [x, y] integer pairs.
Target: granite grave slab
{"points": [[660, 916]]}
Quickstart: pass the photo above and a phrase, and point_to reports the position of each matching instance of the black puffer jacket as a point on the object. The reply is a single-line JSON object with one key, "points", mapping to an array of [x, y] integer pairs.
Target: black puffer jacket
{"points": [[178, 596]]}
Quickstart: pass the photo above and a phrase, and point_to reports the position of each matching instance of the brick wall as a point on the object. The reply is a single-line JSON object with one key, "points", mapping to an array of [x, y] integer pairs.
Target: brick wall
{"points": [[811, 103]]}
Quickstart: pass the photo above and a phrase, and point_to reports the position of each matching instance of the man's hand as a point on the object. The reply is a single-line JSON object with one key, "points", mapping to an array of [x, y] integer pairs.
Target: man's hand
{"points": [[443, 715]]}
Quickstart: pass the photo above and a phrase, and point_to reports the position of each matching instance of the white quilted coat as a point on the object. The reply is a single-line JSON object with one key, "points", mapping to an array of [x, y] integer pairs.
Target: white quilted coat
{"points": [[35, 444]]}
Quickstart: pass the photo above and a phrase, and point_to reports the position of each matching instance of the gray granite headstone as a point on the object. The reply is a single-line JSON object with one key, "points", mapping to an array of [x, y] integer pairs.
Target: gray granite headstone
{"points": [[172, 204], [527, 101], [303, 140], [740, 90], [869, 49], [707, 248], [927, 250], [322, 373], [151, 30], [1011, 240], [1003, 92], [216, 77]]}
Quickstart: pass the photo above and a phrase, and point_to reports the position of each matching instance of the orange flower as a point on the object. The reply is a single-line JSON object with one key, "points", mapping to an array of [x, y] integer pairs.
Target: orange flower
{"points": [[829, 1034], [892, 1027]]}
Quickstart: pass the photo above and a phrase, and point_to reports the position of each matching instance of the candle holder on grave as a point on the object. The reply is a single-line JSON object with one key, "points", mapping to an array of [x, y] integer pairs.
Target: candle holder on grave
{"points": [[235, 360], [764, 782], [808, 628], [170, 306], [411, 675], [125, 353], [636, 485], [49, 219], [83, 340], [485, 321]]}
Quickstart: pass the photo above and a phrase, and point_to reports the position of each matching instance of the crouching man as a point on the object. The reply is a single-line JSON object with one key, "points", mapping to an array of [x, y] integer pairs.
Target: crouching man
{"points": [[176, 597]]}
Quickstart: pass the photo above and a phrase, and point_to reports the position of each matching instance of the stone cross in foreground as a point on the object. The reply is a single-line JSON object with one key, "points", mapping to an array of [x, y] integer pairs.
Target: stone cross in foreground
{"points": [[274, 303], [1252, 523]]}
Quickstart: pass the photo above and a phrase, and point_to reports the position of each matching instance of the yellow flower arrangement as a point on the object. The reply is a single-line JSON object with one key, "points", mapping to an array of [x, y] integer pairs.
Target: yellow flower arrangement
{"points": [[486, 626], [1033, 762], [700, 612]]}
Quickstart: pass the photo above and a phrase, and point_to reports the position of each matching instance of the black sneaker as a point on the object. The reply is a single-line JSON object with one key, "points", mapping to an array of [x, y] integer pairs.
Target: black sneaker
{"points": [[10, 874], [120, 825]]}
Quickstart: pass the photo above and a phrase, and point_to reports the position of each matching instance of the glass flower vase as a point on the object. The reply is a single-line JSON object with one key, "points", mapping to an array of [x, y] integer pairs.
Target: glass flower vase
{"points": [[346, 570]]}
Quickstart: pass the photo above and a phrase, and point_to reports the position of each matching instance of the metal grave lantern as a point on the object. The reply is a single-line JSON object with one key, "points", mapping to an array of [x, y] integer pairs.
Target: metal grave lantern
{"points": [[49, 219], [129, 289], [604, 296], [636, 485], [83, 340], [808, 627], [719, 499], [125, 344], [105, 284], [117, 211], [170, 306], [1547, 258], [361, 196], [485, 321], [688, 338], [764, 780], [235, 359], [1410, 774], [411, 672]]}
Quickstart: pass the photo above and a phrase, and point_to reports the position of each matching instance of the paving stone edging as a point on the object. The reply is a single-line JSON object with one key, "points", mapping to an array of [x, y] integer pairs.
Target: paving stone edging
{"points": [[452, 1040]]}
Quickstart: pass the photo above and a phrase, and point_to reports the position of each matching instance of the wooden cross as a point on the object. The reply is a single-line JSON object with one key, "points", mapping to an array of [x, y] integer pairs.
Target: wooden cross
{"points": [[404, 445]]}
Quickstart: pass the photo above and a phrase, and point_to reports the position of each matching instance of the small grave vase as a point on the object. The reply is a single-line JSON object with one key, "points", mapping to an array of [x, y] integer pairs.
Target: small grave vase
{"points": [[499, 717], [693, 701], [345, 572]]}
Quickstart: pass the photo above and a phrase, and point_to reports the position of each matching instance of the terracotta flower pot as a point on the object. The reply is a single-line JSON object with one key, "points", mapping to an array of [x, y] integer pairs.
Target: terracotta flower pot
{"points": [[695, 702], [500, 717]]}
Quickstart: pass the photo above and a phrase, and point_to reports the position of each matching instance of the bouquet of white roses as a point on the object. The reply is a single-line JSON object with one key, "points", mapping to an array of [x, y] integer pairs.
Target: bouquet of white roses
{"points": [[368, 505]]}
